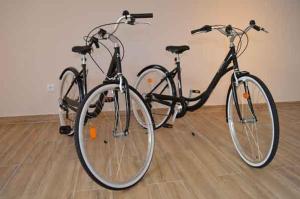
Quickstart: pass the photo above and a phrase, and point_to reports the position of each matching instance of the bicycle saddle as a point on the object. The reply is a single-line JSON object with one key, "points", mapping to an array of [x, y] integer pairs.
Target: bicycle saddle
{"points": [[177, 49], [81, 49]]}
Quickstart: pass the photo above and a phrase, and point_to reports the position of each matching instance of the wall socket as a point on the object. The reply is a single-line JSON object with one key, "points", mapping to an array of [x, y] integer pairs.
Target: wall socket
{"points": [[50, 87]]}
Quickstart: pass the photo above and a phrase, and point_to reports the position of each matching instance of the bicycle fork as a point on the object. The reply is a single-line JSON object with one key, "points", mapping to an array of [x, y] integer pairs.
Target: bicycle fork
{"points": [[123, 88], [234, 85]]}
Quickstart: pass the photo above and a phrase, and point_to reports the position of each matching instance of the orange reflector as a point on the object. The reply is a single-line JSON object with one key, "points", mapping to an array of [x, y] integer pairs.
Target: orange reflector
{"points": [[93, 133], [246, 95], [150, 81]]}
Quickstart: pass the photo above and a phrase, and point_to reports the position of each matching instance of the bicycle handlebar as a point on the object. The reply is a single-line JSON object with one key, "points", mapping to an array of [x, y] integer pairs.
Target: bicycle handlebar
{"points": [[137, 15], [256, 27], [206, 28], [142, 15], [130, 18], [227, 30]]}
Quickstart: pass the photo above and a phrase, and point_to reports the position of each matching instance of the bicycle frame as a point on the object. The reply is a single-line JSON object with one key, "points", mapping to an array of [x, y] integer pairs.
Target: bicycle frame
{"points": [[202, 98], [224, 69]]}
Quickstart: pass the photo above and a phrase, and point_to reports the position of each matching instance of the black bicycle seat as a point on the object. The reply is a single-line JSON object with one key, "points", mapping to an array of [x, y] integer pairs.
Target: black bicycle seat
{"points": [[81, 49], [177, 49]]}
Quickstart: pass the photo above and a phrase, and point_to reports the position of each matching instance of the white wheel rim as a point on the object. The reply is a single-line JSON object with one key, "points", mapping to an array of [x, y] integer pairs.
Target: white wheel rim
{"points": [[136, 86], [149, 148], [61, 112], [234, 133]]}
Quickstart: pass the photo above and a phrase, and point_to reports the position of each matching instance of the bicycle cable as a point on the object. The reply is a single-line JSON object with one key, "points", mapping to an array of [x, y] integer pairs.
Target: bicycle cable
{"points": [[239, 46], [87, 37], [240, 42], [108, 24], [95, 60]]}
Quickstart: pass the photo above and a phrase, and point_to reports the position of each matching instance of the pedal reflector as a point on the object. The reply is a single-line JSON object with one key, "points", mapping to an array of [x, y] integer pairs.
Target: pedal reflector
{"points": [[246, 95], [93, 134]]}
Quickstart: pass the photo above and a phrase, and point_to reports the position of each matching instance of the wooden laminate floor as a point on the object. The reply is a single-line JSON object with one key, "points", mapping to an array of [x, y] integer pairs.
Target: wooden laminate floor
{"points": [[37, 162]]}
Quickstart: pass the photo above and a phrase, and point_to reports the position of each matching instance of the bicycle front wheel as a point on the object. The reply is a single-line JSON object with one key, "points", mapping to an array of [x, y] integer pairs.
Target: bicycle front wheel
{"points": [[112, 157], [253, 121]]}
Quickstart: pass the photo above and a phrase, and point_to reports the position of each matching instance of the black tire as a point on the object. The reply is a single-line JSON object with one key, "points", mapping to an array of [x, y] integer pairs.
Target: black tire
{"points": [[168, 81], [274, 115], [77, 138]]}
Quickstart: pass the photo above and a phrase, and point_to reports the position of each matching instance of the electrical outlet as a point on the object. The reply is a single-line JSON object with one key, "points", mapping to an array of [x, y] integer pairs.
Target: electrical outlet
{"points": [[50, 87]]}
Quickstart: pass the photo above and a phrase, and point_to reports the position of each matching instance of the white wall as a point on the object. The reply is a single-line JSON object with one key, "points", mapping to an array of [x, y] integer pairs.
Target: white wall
{"points": [[36, 37]]}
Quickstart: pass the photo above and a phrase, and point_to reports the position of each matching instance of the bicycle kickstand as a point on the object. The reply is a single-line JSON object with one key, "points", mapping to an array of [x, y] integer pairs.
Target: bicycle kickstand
{"points": [[177, 109]]}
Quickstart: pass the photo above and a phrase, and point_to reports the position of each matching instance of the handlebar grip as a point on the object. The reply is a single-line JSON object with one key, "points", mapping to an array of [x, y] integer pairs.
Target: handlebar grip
{"points": [[257, 28], [206, 28], [142, 15], [253, 24], [195, 31]]}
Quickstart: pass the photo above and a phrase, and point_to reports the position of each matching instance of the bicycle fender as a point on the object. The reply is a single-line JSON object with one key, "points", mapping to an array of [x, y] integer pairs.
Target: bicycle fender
{"points": [[74, 70], [80, 84], [153, 66]]}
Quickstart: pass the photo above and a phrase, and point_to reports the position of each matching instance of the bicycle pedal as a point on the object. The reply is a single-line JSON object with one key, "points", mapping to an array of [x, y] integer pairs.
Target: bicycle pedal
{"points": [[65, 129], [195, 91], [166, 125]]}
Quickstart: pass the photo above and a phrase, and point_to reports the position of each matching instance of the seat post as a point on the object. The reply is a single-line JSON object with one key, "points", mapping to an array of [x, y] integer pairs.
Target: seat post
{"points": [[177, 62], [177, 58], [83, 60], [84, 73]]}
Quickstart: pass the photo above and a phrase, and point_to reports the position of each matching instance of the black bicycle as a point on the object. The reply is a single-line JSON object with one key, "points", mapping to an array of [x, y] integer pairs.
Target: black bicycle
{"points": [[112, 147], [250, 109]]}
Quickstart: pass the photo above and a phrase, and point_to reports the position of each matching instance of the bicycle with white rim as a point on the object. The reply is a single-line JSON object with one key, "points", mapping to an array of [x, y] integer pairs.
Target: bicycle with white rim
{"points": [[112, 147], [250, 109]]}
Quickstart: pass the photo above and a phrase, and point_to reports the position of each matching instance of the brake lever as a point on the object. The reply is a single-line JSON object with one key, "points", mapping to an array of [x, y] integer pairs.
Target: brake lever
{"points": [[130, 21], [134, 22], [94, 41], [145, 23], [102, 33]]}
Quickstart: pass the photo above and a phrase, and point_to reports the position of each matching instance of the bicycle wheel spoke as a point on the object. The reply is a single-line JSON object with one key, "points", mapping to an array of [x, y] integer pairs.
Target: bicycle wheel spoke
{"points": [[249, 140], [119, 162]]}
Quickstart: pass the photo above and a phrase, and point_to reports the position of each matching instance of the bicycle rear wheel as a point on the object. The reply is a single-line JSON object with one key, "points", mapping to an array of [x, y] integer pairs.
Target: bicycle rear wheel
{"points": [[111, 157], [255, 133], [69, 100], [154, 80]]}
